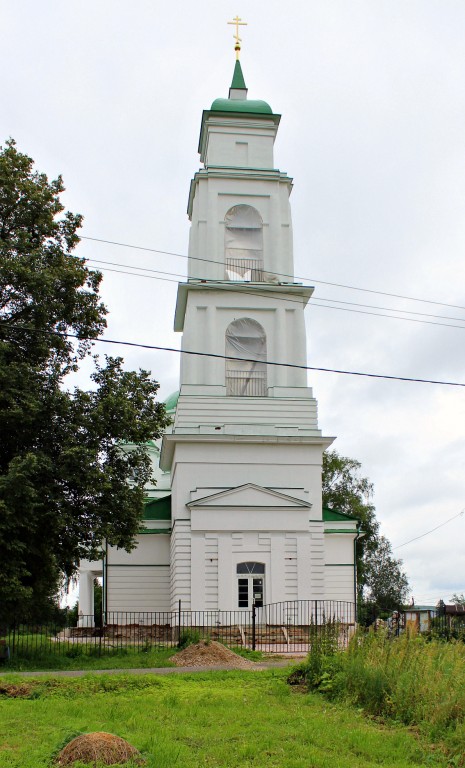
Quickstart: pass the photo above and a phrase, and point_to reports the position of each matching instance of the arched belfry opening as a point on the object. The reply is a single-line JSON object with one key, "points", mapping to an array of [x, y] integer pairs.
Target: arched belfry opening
{"points": [[246, 373], [243, 244]]}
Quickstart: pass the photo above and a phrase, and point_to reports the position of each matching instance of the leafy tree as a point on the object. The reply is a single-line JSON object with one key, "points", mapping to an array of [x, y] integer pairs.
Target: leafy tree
{"points": [[386, 585], [346, 490], [66, 482], [458, 599]]}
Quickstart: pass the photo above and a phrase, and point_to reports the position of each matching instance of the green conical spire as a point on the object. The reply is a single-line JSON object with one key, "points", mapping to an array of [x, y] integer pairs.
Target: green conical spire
{"points": [[238, 82]]}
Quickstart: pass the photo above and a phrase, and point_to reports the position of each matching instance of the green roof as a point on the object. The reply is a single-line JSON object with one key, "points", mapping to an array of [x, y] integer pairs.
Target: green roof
{"points": [[331, 515], [172, 401], [254, 106], [158, 509], [238, 81]]}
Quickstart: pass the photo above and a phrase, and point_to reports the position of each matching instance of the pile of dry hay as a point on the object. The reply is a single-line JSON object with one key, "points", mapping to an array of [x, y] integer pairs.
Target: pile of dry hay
{"points": [[210, 654], [97, 748]]}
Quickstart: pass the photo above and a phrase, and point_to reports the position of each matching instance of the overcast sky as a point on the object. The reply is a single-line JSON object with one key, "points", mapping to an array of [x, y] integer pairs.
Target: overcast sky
{"points": [[372, 96]]}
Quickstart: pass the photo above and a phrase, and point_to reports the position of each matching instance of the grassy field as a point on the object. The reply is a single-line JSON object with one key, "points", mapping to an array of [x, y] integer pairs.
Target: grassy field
{"points": [[215, 719], [88, 659]]}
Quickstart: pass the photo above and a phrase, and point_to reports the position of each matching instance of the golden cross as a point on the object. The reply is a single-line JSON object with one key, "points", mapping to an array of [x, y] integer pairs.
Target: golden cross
{"points": [[237, 22]]}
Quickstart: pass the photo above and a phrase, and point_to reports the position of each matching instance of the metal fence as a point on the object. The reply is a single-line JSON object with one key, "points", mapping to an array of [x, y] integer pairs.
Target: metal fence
{"points": [[286, 627], [246, 270]]}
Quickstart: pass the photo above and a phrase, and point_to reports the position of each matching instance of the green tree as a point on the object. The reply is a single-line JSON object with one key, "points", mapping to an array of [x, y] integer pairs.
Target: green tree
{"points": [[346, 490], [66, 482], [386, 584], [457, 599]]}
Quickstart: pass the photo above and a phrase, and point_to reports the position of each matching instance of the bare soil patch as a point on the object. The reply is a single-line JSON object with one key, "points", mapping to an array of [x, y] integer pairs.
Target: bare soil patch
{"points": [[99, 747], [210, 654]]}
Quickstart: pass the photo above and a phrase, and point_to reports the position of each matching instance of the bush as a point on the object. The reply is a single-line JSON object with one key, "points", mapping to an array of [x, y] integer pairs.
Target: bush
{"points": [[323, 663], [188, 637]]}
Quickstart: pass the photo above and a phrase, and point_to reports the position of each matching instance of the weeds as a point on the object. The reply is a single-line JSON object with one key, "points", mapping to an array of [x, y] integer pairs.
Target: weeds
{"points": [[409, 679], [188, 637]]}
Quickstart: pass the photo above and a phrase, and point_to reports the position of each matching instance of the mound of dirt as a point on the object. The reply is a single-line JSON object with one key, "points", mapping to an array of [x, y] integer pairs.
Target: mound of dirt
{"points": [[97, 748], [210, 654]]}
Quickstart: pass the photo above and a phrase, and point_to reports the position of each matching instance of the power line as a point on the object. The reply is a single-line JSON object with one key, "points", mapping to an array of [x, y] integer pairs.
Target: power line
{"points": [[222, 282], [247, 359], [431, 531], [314, 303], [278, 274]]}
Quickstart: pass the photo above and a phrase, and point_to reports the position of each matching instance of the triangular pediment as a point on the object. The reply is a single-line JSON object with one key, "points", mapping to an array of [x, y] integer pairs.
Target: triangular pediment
{"points": [[249, 495]]}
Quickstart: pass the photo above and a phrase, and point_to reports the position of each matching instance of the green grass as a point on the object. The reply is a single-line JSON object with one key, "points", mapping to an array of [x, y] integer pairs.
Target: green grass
{"points": [[87, 658], [215, 720]]}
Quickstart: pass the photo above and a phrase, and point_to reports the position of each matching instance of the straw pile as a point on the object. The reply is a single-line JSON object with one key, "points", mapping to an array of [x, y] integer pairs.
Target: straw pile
{"points": [[99, 748]]}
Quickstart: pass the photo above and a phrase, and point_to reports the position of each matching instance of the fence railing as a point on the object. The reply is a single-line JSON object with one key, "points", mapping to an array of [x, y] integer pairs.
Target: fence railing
{"points": [[247, 270], [286, 627]]}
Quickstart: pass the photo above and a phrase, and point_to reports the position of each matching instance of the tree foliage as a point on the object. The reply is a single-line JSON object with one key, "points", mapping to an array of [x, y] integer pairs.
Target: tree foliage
{"points": [[381, 580], [66, 482], [386, 583], [457, 599]]}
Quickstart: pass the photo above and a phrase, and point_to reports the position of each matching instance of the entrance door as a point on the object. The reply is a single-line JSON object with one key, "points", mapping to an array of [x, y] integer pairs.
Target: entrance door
{"points": [[250, 584]]}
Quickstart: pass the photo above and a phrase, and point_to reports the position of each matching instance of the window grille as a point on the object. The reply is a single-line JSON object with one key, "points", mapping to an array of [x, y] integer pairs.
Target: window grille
{"points": [[246, 359], [243, 244]]}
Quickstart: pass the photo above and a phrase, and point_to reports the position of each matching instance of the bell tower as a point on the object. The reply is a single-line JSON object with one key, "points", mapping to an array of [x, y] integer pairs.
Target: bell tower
{"points": [[246, 451]]}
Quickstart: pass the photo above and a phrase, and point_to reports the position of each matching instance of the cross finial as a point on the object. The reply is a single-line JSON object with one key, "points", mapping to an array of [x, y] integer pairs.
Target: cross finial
{"points": [[237, 23]]}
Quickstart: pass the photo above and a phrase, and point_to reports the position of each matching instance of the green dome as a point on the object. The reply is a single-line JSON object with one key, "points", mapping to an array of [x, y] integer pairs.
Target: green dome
{"points": [[241, 105], [172, 401]]}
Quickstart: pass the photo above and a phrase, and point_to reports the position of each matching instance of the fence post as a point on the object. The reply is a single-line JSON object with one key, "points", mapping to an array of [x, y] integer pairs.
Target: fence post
{"points": [[253, 624], [179, 622]]}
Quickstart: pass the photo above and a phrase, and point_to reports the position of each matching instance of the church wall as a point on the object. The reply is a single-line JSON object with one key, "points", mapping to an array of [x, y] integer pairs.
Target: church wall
{"points": [[134, 589], [339, 548], [203, 413], [150, 549], [267, 464], [209, 315], [339, 571], [290, 575], [215, 194], [340, 583], [244, 147], [139, 580], [181, 562], [294, 566]]}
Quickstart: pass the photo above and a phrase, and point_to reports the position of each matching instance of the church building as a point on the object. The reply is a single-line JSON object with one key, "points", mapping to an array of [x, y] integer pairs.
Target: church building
{"points": [[236, 515]]}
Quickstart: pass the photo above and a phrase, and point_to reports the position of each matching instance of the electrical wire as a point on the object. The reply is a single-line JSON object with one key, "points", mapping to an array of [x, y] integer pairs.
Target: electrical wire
{"points": [[245, 359], [314, 302], [422, 536], [278, 274]]}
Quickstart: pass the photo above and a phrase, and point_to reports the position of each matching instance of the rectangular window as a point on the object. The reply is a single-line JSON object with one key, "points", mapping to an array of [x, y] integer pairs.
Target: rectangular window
{"points": [[243, 585]]}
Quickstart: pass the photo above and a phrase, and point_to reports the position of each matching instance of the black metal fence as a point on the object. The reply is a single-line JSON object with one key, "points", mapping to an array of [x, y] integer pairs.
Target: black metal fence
{"points": [[286, 627]]}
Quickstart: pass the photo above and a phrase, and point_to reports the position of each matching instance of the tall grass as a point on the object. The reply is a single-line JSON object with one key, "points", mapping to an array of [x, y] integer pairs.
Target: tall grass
{"points": [[409, 679]]}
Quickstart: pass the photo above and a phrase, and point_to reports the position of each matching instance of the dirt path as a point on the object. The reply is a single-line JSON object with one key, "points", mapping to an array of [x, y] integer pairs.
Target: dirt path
{"points": [[258, 667]]}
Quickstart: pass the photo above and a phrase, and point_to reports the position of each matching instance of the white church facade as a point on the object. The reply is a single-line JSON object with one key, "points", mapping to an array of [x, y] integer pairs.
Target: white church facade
{"points": [[236, 515]]}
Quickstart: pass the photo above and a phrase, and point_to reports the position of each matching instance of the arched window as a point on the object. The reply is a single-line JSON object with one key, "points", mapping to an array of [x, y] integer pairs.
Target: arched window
{"points": [[250, 584], [243, 244], [246, 374]]}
